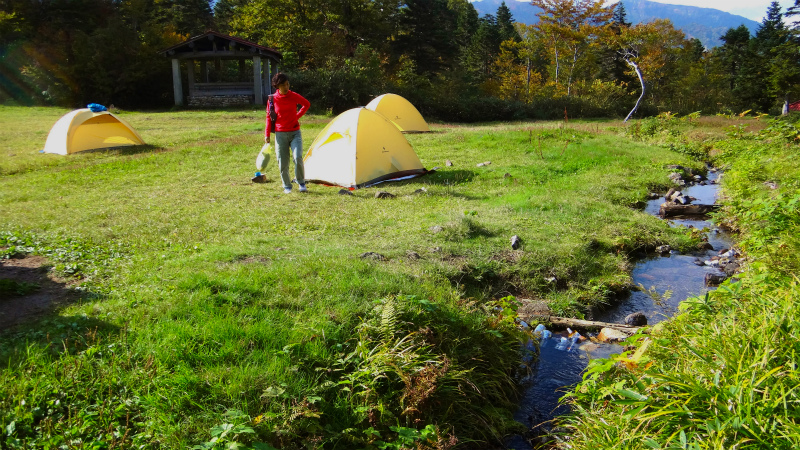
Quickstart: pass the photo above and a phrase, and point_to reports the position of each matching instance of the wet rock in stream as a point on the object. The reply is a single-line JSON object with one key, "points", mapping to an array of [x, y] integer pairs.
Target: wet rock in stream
{"points": [[637, 319], [611, 335], [714, 279]]}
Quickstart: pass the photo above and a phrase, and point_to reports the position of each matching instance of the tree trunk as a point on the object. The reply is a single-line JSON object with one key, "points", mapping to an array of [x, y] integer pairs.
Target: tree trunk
{"points": [[669, 209], [572, 70], [580, 325], [641, 81]]}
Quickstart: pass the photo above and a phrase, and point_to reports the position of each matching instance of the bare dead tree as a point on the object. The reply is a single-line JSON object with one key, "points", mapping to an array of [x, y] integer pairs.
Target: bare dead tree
{"points": [[629, 55]]}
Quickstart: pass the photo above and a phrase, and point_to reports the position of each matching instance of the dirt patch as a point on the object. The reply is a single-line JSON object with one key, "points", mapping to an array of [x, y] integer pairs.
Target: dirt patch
{"points": [[42, 291]]}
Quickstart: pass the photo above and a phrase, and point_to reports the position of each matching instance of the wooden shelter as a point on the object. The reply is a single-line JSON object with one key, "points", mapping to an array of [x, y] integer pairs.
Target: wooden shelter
{"points": [[220, 83]]}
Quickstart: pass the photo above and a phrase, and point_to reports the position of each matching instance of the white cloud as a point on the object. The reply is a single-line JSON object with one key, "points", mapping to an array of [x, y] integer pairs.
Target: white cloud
{"points": [[752, 9]]}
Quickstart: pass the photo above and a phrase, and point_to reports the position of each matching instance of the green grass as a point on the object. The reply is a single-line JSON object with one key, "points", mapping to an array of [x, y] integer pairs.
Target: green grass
{"points": [[723, 374], [205, 293]]}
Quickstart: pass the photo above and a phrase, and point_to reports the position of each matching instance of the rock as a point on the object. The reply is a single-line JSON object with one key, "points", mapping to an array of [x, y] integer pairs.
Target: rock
{"points": [[705, 245], [485, 163], [670, 193], [515, 242], [731, 268], [637, 319], [384, 194], [683, 200], [412, 255], [436, 249], [373, 256], [771, 184], [421, 191], [345, 192], [448, 163], [699, 262], [530, 308], [654, 196], [611, 335], [675, 167], [436, 229], [507, 175], [714, 279], [663, 249]]}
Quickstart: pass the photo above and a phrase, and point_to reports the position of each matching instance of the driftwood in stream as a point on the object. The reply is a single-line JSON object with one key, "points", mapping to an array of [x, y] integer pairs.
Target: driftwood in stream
{"points": [[580, 325], [670, 209]]}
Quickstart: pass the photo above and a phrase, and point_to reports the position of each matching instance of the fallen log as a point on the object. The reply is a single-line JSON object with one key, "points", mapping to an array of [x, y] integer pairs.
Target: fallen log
{"points": [[672, 209], [580, 325]]}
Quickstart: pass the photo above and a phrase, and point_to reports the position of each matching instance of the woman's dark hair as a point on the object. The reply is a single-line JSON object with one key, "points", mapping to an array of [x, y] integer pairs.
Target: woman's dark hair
{"points": [[279, 78]]}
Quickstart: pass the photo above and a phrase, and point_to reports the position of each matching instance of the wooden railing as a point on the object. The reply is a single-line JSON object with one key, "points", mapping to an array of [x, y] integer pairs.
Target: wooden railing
{"points": [[210, 89]]}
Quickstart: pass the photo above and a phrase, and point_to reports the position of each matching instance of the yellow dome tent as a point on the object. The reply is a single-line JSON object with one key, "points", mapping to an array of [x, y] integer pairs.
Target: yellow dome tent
{"points": [[400, 111], [83, 129], [360, 148]]}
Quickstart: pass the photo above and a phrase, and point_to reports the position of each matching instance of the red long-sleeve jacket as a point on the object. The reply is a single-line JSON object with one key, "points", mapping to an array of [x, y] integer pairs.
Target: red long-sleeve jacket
{"points": [[286, 109]]}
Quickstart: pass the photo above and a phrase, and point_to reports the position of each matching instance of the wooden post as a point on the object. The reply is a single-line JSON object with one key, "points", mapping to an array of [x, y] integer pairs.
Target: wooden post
{"points": [[268, 66], [203, 72], [177, 87], [258, 94], [190, 66]]}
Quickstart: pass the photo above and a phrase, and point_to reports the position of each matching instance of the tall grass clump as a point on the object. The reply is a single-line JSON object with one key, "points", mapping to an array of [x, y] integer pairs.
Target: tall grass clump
{"points": [[724, 373]]}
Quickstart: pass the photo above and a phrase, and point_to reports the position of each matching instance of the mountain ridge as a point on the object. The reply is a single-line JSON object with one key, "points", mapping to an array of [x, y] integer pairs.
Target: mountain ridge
{"points": [[705, 24]]}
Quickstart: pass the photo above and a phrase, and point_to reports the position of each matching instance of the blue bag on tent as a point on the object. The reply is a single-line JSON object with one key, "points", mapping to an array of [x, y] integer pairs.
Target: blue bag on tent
{"points": [[96, 107]]}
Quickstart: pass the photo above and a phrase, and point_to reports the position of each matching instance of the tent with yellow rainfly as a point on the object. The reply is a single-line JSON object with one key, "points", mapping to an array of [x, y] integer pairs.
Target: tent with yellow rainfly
{"points": [[360, 148], [400, 111], [83, 129]]}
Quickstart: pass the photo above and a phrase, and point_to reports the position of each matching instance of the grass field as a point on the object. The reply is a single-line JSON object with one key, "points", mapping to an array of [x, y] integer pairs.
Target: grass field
{"points": [[203, 299]]}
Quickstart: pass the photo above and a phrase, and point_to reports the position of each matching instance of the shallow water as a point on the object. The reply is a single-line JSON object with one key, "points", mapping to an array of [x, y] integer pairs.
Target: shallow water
{"points": [[673, 277]]}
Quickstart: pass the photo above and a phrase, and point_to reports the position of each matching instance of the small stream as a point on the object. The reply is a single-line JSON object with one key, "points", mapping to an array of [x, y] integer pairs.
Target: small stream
{"points": [[556, 370]]}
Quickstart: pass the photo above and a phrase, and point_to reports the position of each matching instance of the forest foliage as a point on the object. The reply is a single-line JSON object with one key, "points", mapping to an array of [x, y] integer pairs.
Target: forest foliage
{"points": [[451, 63]]}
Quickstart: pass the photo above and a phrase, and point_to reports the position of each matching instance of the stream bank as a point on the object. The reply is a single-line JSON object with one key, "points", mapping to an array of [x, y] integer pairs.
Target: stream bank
{"points": [[665, 278]]}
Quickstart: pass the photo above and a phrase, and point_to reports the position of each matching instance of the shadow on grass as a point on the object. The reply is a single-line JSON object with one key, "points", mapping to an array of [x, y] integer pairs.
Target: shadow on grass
{"points": [[55, 335], [30, 297], [127, 150]]}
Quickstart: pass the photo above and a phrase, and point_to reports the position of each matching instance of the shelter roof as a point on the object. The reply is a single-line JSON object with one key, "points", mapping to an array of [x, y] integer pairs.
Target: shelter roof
{"points": [[212, 45]]}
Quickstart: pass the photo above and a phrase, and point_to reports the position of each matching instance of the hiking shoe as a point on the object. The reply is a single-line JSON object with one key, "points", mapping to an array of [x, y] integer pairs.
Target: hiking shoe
{"points": [[287, 191], [303, 188]]}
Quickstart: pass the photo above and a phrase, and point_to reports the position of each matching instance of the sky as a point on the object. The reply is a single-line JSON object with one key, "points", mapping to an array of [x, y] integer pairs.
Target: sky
{"points": [[752, 9]]}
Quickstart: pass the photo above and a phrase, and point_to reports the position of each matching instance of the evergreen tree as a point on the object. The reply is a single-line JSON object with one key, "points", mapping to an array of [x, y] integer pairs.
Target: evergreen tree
{"points": [[426, 35], [612, 66], [477, 58], [620, 17], [505, 25], [186, 17]]}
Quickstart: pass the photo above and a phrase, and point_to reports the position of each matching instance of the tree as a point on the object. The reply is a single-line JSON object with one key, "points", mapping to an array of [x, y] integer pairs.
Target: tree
{"points": [[187, 17], [571, 28], [612, 67], [651, 50], [505, 25], [620, 18], [426, 35]]}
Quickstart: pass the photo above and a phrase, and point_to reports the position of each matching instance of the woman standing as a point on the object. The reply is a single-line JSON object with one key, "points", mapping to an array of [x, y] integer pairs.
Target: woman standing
{"points": [[288, 139]]}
